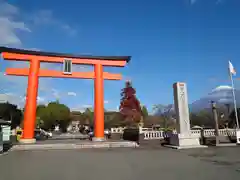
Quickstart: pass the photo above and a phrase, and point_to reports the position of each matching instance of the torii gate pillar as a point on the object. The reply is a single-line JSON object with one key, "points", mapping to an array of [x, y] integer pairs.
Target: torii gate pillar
{"points": [[98, 104], [31, 102]]}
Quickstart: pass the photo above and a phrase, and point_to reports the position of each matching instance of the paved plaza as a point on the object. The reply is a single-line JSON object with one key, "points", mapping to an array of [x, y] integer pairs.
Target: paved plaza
{"points": [[146, 162]]}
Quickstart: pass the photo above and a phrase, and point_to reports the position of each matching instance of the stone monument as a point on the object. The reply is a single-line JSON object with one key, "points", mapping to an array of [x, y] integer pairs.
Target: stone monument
{"points": [[183, 138], [238, 136]]}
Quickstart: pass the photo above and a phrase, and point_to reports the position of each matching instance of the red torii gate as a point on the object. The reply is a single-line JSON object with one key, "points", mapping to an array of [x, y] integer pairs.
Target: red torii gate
{"points": [[34, 72]]}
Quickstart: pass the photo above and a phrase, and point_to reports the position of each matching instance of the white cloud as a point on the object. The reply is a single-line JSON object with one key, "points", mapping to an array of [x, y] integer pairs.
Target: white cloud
{"points": [[82, 108], [17, 99], [33, 49], [4, 98], [9, 26], [46, 17], [7, 9], [222, 87], [13, 81], [55, 93], [112, 109], [20, 82], [106, 102], [59, 94], [12, 19], [19, 86], [40, 99], [87, 106], [193, 1], [42, 17], [71, 31], [71, 94], [219, 1], [126, 78]]}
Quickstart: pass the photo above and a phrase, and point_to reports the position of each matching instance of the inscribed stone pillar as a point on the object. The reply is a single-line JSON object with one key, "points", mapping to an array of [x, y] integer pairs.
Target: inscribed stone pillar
{"points": [[181, 108]]}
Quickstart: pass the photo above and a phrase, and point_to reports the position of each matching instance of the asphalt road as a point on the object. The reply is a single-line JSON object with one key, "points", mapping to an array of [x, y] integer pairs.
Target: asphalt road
{"points": [[122, 164]]}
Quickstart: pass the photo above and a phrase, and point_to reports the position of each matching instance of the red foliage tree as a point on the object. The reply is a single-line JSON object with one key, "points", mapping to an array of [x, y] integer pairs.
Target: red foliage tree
{"points": [[130, 106]]}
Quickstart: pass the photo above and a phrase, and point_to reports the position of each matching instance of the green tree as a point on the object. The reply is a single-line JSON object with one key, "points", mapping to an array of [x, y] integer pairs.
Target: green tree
{"points": [[10, 112], [144, 112], [166, 112], [44, 114], [40, 107], [232, 118], [202, 118], [39, 123], [113, 119], [53, 114], [88, 116]]}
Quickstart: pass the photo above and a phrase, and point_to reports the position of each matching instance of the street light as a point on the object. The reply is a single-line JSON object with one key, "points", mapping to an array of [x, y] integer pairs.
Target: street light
{"points": [[215, 116]]}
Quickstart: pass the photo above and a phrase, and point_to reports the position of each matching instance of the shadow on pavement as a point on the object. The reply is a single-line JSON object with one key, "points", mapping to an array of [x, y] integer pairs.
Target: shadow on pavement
{"points": [[6, 147]]}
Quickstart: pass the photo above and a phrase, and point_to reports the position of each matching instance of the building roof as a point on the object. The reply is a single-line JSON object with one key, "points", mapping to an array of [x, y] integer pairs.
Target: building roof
{"points": [[52, 54]]}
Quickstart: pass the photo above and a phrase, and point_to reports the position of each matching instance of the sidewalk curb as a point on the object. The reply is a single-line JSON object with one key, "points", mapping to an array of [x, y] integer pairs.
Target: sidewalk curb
{"points": [[4, 153], [89, 145]]}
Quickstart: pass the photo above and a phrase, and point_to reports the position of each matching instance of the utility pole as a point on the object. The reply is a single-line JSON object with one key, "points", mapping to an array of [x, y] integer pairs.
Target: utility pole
{"points": [[215, 117], [228, 108], [228, 114]]}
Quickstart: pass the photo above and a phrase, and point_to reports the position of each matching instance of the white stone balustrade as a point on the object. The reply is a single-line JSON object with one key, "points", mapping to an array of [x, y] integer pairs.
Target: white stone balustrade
{"points": [[117, 130], [209, 132], [196, 132], [120, 130], [151, 135]]}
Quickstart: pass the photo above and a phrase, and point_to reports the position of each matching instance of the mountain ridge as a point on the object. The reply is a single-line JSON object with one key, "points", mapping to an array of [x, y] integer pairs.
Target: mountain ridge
{"points": [[222, 95]]}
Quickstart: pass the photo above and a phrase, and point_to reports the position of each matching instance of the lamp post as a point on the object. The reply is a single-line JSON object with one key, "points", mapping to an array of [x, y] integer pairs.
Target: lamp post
{"points": [[215, 117], [228, 114], [228, 108]]}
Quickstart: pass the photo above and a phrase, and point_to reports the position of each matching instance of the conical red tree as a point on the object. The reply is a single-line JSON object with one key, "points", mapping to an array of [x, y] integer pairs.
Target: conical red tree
{"points": [[130, 106]]}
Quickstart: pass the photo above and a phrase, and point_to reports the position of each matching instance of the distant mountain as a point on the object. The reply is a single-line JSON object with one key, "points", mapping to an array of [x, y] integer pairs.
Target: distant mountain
{"points": [[164, 110], [221, 95]]}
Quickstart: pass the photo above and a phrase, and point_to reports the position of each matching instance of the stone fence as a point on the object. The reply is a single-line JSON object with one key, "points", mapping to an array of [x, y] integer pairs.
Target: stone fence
{"points": [[150, 134], [120, 130]]}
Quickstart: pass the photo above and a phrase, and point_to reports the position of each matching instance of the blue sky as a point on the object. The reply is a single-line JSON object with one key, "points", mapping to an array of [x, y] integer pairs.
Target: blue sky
{"points": [[169, 41]]}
